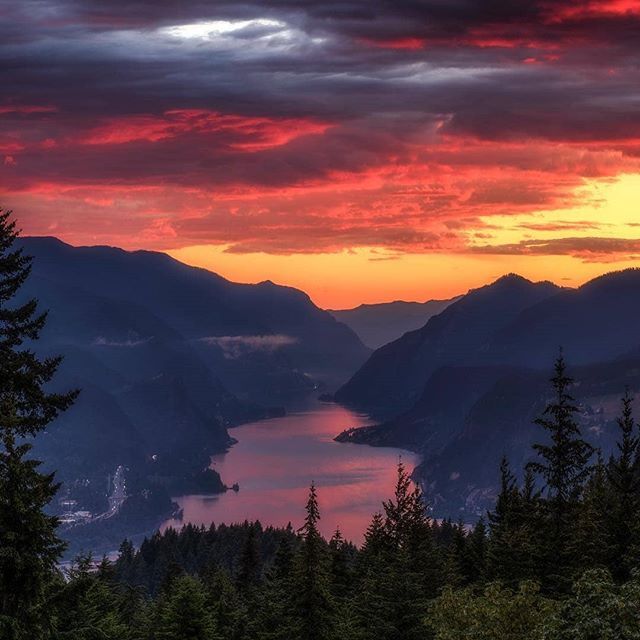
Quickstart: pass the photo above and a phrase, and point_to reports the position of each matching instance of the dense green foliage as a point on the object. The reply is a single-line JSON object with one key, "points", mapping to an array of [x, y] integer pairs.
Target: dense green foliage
{"points": [[557, 559]]}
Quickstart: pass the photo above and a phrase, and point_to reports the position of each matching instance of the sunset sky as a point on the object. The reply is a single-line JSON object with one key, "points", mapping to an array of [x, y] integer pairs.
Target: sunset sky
{"points": [[363, 150]]}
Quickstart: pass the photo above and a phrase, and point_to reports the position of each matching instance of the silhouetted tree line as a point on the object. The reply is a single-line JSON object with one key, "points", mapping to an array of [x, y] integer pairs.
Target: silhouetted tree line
{"points": [[555, 560]]}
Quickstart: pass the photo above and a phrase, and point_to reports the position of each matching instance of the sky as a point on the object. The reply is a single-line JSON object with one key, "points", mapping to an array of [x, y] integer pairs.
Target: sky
{"points": [[363, 150]]}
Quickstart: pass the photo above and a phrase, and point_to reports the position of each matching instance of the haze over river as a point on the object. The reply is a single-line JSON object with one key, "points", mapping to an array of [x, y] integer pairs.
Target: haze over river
{"points": [[274, 462]]}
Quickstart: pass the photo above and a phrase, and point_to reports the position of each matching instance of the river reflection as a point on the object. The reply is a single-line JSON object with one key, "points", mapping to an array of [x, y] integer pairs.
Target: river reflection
{"points": [[275, 461]]}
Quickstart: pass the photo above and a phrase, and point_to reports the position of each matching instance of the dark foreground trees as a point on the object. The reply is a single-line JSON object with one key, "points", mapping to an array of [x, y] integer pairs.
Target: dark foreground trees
{"points": [[29, 547]]}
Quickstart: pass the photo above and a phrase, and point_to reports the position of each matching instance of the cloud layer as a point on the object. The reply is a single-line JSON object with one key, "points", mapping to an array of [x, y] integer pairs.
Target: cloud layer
{"points": [[294, 127]]}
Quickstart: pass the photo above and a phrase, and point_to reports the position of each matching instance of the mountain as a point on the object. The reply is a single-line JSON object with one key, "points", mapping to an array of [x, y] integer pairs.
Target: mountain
{"points": [[167, 358], [261, 340], [435, 418], [378, 324], [462, 476], [394, 376], [484, 384], [593, 323]]}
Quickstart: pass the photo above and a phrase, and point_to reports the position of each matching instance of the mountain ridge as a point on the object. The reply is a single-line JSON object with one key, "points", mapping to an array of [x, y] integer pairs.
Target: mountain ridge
{"points": [[380, 323], [395, 374], [471, 410]]}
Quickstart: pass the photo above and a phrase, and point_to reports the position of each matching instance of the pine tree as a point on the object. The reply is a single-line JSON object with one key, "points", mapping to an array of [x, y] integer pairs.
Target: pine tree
{"points": [[623, 474], [184, 612], [376, 540], [503, 522], [455, 557], [341, 585], [475, 558], [313, 602], [274, 608], [513, 548], [375, 590], [227, 607], [250, 569], [564, 467], [340, 569], [408, 568], [29, 546], [592, 541], [88, 604]]}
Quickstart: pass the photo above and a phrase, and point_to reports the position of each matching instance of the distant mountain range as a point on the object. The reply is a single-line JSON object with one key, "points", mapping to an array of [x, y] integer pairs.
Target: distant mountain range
{"points": [[378, 324], [465, 388], [168, 357]]}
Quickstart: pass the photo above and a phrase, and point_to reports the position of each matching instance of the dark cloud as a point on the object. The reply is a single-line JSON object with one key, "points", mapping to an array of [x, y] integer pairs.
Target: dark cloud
{"points": [[418, 114], [591, 249]]}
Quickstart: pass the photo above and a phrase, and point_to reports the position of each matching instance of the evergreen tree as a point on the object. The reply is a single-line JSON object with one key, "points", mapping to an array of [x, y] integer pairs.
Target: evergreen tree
{"points": [[184, 612], [410, 572], [250, 566], [227, 607], [515, 546], [506, 524], [591, 542], [376, 540], [29, 546], [88, 604], [563, 465], [456, 557], [274, 609], [475, 558], [312, 600], [623, 515], [341, 554], [374, 591], [342, 584]]}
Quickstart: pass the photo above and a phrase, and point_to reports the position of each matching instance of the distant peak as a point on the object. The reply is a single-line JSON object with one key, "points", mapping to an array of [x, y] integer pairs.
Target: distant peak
{"points": [[515, 279], [512, 278], [623, 277]]}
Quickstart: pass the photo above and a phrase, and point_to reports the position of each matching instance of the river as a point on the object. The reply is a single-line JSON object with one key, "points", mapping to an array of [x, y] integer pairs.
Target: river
{"points": [[275, 461]]}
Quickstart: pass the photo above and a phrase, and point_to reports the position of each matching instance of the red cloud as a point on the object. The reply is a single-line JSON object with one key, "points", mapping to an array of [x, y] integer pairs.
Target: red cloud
{"points": [[594, 9], [407, 43], [247, 133], [301, 140], [592, 249], [25, 109]]}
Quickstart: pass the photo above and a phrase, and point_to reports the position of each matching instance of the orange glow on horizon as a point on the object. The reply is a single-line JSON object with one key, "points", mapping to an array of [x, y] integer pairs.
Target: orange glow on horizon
{"points": [[347, 279], [372, 274]]}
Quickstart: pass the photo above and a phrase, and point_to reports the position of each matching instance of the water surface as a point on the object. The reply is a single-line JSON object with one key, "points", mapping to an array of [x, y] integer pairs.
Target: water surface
{"points": [[274, 462]]}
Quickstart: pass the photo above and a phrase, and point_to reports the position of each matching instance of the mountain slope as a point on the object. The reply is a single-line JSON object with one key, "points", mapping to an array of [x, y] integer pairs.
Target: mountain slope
{"points": [[438, 414], [379, 324], [247, 334], [394, 376], [468, 415], [463, 475], [167, 357], [593, 323]]}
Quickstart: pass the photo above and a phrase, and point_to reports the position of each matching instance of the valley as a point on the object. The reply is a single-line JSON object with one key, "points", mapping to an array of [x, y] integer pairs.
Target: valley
{"points": [[195, 384]]}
